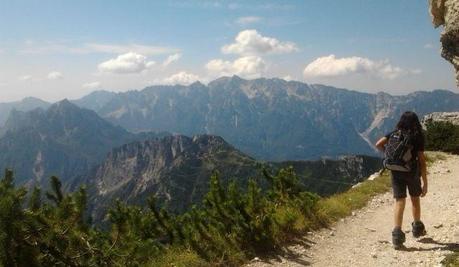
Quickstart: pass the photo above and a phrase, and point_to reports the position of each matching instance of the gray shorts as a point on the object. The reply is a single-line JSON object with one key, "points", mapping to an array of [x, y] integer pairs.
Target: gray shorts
{"points": [[403, 180]]}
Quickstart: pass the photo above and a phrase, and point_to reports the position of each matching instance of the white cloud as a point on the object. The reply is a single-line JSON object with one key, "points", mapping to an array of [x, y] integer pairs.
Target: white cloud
{"points": [[248, 67], [91, 85], [172, 58], [182, 77], [55, 75], [250, 42], [25, 78], [248, 20], [429, 46], [126, 63], [287, 78], [330, 66], [62, 47]]}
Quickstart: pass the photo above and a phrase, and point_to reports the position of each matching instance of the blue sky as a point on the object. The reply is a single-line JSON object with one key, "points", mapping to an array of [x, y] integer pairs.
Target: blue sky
{"points": [[58, 49]]}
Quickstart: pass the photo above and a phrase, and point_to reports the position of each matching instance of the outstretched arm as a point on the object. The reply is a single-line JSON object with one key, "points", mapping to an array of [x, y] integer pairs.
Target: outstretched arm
{"points": [[381, 143], [423, 166]]}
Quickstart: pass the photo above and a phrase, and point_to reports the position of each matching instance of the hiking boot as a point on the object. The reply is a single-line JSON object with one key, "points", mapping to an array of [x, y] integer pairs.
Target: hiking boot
{"points": [[418, 229], [398, 238]]}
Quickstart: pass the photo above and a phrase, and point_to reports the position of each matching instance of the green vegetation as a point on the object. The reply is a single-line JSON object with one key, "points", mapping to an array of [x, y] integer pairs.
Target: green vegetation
{"points": [[342, 205], [230, 226], [451, 260], [442, 136]]}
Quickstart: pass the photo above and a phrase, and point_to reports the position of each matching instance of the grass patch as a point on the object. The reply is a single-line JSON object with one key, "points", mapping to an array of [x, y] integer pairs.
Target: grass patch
{"points": [[179, 257], [451, 260], [341, 205]]}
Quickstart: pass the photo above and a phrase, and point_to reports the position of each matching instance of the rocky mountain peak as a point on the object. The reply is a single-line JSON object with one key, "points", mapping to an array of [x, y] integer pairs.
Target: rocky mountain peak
{"points": [[63, 106]]}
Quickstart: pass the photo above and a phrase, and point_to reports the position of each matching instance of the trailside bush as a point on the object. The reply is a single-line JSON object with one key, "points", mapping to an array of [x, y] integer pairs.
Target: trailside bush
{"points": [[229, 226], [442, 136]]}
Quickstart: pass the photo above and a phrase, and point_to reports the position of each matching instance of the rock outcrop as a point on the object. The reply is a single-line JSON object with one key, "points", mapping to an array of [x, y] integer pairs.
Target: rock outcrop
{"points": [[446, 13], [452, 117]]}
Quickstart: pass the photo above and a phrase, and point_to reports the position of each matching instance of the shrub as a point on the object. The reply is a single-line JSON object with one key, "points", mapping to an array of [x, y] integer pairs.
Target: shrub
{"points": [[442, 136], [228, 227]]}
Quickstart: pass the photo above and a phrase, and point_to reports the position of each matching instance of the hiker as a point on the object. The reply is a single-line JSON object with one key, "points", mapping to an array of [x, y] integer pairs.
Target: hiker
{"points": [[404, 156]]}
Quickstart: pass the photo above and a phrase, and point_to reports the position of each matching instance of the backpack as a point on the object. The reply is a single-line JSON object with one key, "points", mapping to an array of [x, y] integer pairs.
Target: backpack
{"points": [[399, 152]]}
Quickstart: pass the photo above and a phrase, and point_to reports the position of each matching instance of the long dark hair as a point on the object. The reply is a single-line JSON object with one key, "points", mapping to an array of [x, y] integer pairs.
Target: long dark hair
{"points": [[409, 121]]}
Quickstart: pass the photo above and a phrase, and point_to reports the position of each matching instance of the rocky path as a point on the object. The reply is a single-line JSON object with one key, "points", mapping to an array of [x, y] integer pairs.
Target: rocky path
{"points": [[364, 239]]}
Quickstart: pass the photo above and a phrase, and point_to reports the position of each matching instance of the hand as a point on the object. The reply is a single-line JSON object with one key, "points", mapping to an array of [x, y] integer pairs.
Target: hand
{"points": [[424, 189]]}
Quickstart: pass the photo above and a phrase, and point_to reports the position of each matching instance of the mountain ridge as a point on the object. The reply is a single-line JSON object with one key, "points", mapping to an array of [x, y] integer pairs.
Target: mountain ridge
{"points": [[63, 140], [272, 119]]}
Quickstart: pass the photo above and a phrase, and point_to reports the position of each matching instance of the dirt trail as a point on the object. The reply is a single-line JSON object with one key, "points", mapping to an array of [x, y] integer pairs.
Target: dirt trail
{"points": [[364, 239]]}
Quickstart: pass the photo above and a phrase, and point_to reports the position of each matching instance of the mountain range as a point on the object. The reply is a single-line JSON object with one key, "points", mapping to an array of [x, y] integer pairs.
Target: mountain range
{"points": [[270, 119], [62, 140]]}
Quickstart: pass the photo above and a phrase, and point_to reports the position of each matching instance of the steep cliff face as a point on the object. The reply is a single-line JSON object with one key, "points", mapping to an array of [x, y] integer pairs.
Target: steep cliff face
{"points": [[176, 169], [446, 13]]}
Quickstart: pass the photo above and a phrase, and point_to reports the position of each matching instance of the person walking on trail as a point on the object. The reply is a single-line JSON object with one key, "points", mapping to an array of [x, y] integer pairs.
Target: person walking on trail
{"points": [[404, 157]]}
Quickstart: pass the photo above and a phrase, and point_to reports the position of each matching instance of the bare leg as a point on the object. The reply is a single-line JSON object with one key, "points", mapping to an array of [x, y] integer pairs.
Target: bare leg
{"points": [[416, 208], [398, 212]]}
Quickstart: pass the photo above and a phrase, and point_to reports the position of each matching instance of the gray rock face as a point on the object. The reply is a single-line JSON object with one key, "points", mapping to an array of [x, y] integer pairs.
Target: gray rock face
{"points": [[63, 140], [452, 117], [446, 13], [176, 169], [273, 119]]}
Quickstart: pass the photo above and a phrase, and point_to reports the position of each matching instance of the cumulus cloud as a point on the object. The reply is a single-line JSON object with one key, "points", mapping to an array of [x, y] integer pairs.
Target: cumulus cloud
{"points": [[91, 85], [172, 58], [330, 66], [55, 75], [250, 42], [248, 20], [127, 63], [182, 77], [248, 67]]}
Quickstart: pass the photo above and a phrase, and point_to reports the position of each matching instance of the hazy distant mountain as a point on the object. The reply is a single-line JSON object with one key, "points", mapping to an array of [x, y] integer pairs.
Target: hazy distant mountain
{"points": [[95, 100], [63, 140], [271, 118], [25, 104], [176, 169]]}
